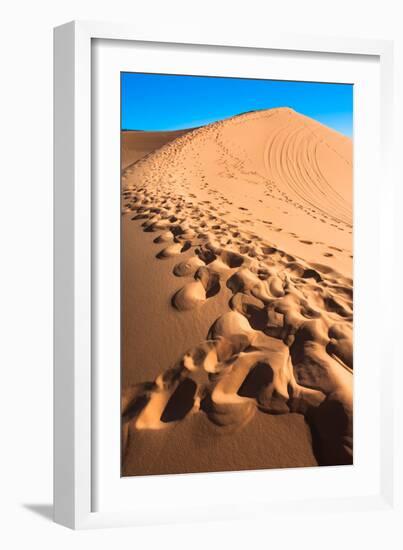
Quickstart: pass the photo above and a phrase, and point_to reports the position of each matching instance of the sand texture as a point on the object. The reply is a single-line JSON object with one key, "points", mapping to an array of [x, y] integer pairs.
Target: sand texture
{"points": [[135, 144], [237, 296]]}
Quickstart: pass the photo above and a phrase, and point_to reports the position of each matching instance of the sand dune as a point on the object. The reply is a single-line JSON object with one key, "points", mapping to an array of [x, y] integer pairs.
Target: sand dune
{"points": [[237, 311], [136, 144]]}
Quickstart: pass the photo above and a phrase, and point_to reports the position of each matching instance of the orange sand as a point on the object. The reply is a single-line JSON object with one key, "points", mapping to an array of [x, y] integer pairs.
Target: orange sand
{"points": [[136, 144], [237, 296]]}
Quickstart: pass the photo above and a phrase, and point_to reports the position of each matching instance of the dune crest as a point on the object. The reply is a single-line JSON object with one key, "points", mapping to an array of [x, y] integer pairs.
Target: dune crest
{"points": [[259, 205]]}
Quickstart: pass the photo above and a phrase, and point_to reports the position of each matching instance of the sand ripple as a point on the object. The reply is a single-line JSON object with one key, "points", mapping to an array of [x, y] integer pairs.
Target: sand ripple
{"points": [[284, 343]]}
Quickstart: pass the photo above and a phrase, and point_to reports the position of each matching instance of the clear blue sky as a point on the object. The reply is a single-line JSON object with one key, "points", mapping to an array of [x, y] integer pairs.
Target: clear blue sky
{"points": [[170, 102]]}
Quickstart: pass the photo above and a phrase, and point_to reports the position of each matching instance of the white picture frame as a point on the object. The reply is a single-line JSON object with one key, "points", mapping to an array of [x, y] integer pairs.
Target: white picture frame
{"points": [[81, 428]]}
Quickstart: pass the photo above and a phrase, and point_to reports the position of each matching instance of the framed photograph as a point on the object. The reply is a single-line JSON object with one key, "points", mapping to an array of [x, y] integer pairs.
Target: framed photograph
{"points": [[222, 218]]}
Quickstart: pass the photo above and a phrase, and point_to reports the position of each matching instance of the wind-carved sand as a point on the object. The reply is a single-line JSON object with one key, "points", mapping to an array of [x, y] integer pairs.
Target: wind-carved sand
{"points": [[257, 210]]}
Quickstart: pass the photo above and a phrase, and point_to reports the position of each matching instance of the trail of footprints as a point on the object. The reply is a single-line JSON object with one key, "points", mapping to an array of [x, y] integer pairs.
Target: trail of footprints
{"points": [[283, 345]]}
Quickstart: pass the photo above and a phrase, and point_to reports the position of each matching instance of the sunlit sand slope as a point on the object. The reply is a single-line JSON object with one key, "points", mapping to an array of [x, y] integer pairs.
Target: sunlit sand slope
{"points": [[253, 213], [136, 144]]}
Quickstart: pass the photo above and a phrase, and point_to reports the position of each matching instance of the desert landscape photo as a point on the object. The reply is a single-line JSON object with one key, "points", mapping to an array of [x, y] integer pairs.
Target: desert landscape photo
{"points": [[236, 274]]}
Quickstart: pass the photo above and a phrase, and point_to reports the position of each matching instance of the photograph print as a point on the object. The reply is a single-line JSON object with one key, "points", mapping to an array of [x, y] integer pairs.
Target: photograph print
{"points": [[236, 274]]}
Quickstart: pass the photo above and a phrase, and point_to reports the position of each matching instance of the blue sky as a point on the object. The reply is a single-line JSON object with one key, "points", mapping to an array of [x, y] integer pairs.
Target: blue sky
{"points": [[171, 102]]}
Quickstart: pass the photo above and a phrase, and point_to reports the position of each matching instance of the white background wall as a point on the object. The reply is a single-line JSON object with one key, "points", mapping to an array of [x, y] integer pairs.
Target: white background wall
{"points": [[26, 260]]}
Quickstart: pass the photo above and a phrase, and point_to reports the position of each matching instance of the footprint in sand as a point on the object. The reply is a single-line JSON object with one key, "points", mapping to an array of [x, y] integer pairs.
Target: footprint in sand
{"points": [[194, 293], [289, 324], [174, 250]]}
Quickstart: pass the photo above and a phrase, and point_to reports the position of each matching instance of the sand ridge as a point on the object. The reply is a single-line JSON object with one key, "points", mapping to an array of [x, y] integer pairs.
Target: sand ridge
{"points": [[136, 144], [244, 201]]}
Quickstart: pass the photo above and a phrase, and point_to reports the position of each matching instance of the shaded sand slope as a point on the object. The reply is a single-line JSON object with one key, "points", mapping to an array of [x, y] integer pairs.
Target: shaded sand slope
{"points": [[248, 231], [136, 143]]}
